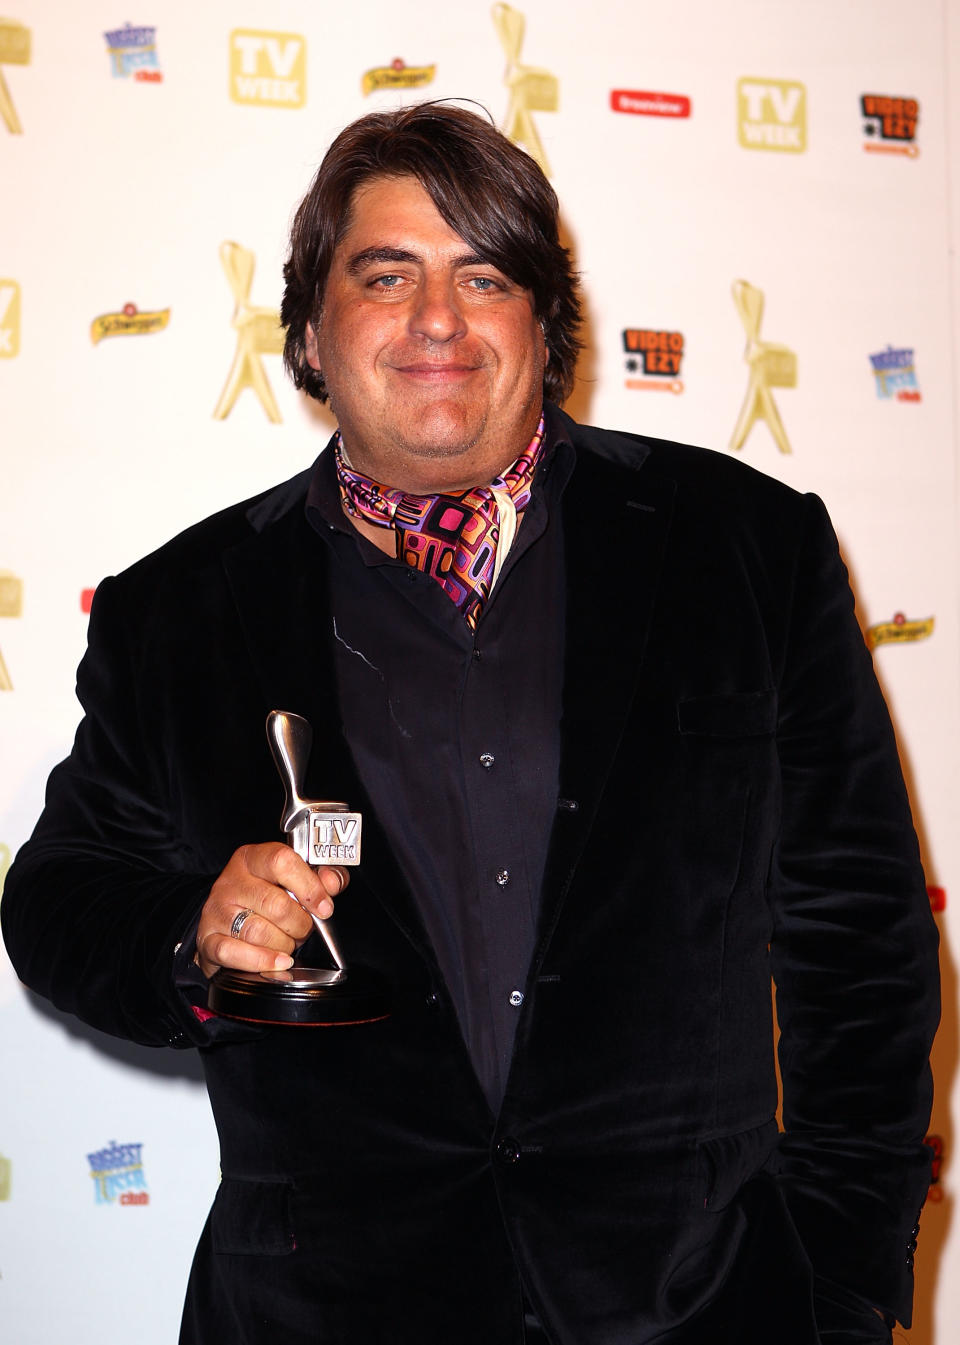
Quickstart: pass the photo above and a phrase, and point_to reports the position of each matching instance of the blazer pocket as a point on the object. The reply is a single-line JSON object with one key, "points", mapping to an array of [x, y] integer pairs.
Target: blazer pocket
{"points": [[730, 1160], [253, 1218], [731, 714]]}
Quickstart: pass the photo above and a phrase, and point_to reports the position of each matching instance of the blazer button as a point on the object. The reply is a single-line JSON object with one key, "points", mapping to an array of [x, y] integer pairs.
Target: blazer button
{"points": [[508, 1151]]}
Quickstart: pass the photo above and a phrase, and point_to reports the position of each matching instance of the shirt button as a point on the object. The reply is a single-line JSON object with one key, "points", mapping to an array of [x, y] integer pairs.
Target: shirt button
{"points": [[503, 877], [508, 1151], [516, 998], [477, 655], [486, 760], [411, 575]]}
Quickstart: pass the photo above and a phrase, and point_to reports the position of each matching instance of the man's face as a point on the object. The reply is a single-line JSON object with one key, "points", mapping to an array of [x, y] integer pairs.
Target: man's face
{"points": [[433, 359]]}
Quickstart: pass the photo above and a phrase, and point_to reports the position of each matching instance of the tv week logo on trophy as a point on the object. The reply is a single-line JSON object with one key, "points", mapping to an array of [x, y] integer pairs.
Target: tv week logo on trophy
{"points": [[890, 124], [656, 355], [269, 69], [9, 319], [772, 114], [118, 1176], [133, 52], [397, 75], [896, 374]]}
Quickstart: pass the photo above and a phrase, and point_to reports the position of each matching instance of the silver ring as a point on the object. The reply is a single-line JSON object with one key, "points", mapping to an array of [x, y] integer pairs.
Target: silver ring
{"points": [[239, 920]]}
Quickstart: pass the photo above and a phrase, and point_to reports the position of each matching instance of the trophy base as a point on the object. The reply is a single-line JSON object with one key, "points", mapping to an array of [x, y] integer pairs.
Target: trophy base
{"points": [[302, 996]]}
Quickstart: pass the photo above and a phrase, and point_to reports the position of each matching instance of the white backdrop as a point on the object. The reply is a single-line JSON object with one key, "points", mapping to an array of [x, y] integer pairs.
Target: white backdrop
{"points": [[121, 174]]}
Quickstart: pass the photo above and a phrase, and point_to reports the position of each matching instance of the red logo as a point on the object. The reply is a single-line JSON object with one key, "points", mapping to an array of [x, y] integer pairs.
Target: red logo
{"points": [[86, 599], [935, 1144], [644, 104], [938, 897]]}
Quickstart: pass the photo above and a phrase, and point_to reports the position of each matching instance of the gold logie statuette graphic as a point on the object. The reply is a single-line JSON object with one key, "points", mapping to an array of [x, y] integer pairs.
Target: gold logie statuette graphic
{"points": [[900, 630], [5, 858], [14, 50], [129, 321], [531, 89], [258, 333], [5, 1177], [11, 604], [9, 319], [397, 76], [771, 366]]}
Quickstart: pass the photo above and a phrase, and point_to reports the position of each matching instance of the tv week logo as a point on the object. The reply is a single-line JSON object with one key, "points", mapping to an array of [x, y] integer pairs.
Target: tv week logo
{"points": [[267, 68], [772, 114]]}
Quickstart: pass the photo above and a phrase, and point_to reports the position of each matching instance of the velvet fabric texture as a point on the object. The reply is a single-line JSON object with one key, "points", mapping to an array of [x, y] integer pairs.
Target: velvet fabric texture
{"points": [[732, 807]]}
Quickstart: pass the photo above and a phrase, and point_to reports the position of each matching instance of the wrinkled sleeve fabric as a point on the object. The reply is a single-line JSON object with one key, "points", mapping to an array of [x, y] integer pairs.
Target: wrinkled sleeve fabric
{"points": [[101, 895], [854, 957]]}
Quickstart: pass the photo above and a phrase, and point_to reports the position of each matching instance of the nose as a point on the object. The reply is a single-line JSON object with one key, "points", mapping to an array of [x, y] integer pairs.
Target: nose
{"points": [[436, 314]]}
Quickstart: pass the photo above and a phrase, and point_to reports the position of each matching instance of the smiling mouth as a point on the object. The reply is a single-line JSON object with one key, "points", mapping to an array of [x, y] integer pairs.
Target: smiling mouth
{"points": [[436, 373]]}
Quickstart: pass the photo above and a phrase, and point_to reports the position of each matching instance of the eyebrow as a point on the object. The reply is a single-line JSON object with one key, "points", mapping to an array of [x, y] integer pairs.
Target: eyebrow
{"points": [[371, 256]]}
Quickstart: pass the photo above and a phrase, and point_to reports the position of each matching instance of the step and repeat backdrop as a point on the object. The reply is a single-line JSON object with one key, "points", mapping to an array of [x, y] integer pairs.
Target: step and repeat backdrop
{"points": [[761, 198]]}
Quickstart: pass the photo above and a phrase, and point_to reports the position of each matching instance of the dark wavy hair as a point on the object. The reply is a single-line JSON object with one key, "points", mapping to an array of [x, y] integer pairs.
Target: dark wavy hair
{"points": [[490, 193]]}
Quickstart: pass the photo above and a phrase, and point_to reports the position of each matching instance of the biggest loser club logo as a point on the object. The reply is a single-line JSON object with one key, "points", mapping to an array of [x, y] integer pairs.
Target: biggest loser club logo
{"points": [[118, 1175]]}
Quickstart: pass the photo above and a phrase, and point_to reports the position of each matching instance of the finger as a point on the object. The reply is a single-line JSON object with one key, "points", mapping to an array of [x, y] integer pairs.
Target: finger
{"points": [[215, 949]]}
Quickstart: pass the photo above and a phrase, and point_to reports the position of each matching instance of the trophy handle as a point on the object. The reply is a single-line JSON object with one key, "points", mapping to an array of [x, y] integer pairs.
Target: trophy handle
{"points": [[291, 737]]}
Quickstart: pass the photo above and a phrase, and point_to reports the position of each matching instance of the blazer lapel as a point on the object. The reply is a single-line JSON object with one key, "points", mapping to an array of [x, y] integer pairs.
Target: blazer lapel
{"points": [[616, 522], [278, 579]]}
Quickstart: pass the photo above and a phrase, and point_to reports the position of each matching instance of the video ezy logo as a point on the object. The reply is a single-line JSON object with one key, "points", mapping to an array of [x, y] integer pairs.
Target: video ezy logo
{"points": [[267, 68], [655, 354], [772, 114], [118, 1176], [890, 124]]}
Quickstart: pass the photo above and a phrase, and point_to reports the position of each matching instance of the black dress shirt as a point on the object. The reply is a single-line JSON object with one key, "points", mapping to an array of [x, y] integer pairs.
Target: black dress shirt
{"points": [[456, 736]]}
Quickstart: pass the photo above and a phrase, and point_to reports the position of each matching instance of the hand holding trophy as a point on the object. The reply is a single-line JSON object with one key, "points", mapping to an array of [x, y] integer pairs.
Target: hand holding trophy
{"points": [[321, 832]]}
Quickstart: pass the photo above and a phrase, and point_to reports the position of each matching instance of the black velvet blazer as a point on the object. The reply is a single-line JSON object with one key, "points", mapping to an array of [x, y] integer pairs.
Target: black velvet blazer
{"points": [[739, 812]]}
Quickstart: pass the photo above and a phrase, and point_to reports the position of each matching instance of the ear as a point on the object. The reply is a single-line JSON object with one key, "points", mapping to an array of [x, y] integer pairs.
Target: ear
{"points": [[310, 346]]}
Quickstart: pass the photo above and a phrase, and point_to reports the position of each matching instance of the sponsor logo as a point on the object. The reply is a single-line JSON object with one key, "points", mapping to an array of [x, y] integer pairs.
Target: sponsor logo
{"points": [[900, 630], [938, 897], [9, 319], [6, 1177], [11, 604], [86, 599], [396, 75], [644, 104], [118, 1177], [531, 89], [268, 69], [258, 333], [896, 374], [772, 114], [657, 355], [128, 322], [770, 365], [935, 1144], [133, 53], [890, 124], [14, 50]]}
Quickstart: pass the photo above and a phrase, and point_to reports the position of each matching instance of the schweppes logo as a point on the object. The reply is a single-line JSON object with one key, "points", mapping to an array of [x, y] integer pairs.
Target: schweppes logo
{"points": [[890, 124], [14, 50], [258, 333], [655, 354], [531, 89], [9, 319], [11, 604], [901, 630], [772, 114], [267, 68], [129, 321], [396, 75], [770, 365]]}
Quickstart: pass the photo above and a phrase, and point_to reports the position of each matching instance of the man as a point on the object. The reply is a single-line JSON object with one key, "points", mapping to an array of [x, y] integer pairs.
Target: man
{"points": [[604, 705]]}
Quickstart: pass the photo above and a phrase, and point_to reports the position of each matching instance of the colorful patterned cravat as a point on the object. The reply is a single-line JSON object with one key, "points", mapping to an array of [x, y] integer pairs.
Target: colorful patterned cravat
{"points": [[461, 540]]}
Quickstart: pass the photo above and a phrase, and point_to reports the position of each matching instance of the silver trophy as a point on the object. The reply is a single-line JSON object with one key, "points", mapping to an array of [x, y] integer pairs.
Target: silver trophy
{"points": [[322, 832]]}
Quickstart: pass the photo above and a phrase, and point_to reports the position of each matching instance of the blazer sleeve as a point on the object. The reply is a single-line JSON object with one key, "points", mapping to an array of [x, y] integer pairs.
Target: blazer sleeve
{"points": [[854, 952], [100, 896]]}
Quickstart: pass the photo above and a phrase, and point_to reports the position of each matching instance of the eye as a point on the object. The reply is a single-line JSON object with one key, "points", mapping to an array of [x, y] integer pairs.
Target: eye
{"points": [[388, 282], [483, 283]]}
